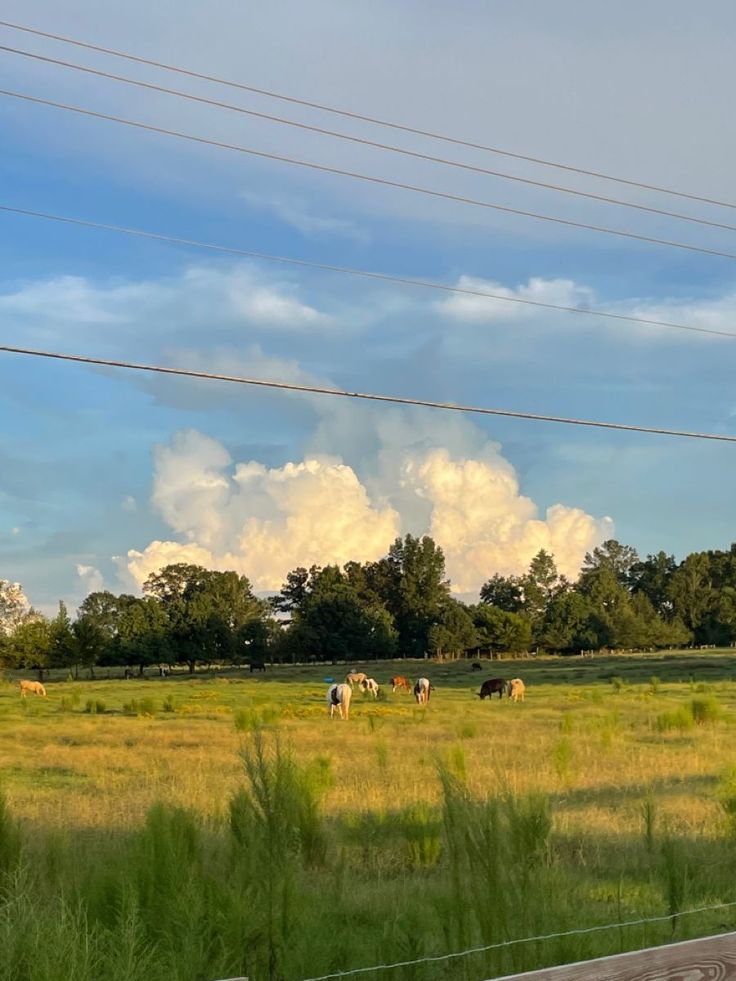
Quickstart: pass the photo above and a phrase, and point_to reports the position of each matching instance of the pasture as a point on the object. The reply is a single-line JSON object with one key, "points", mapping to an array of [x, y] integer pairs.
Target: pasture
{"points": [[210, 826]]}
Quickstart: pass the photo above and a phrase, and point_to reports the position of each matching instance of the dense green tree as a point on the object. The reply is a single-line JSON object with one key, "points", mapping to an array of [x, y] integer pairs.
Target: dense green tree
{"points": [[294, 592], [652, 577], [143, 633], [692, 594], [63, 652], [571, 624], [90, 642], [540, 584], [503, 592], [417, 591], [205, 613], [454, 633], [500, 630], [334, 624], [612, 555], [31, 644]]}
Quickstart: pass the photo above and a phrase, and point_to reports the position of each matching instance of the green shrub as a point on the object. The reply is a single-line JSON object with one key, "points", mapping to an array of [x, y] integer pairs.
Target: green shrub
{"points": [[679, 719], [617, 683], [168, 705], [255, 719], [562, 758], [467, 730], [95, 706], [140, 706], [706, 709], [654, 684]]}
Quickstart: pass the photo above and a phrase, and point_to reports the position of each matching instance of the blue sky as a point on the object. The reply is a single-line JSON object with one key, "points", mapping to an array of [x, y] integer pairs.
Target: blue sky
{"points": [[104, 475]]}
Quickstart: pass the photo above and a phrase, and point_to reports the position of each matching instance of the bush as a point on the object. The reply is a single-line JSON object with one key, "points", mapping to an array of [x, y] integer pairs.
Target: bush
{"points": [[253, 720], [654, 684], [680, 719], [617, 683], [94, 706], [140, 706], [168, 705], [706, 709]]}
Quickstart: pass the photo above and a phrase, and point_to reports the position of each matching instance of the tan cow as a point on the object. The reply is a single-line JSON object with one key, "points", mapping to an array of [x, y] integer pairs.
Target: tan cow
{"points": [[516, 689], [356, 678], [34, 687]]}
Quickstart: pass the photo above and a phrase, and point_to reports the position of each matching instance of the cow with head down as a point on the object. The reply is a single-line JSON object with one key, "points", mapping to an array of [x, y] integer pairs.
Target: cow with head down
{"points": [[516, 689], [491, 687], [338, 697]]}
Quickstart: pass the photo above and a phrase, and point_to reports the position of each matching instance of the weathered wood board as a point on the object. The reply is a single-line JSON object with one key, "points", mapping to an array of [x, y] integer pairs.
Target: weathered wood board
{"points": [[706, 959]]}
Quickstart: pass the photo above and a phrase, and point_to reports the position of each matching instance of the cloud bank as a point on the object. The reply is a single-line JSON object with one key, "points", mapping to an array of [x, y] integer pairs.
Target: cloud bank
{"points": [[263, 521]]}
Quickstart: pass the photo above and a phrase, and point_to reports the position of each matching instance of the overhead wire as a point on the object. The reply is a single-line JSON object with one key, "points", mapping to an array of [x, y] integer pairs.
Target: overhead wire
{"points": [[372, 179], [364, 396], [403, 151], [362, 117], [363, 273]]}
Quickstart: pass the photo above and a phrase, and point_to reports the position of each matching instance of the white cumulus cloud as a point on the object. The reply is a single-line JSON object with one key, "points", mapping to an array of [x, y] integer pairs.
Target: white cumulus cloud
{"points": [[485, 525], [92, 579], [259, 521], [263, 521]]}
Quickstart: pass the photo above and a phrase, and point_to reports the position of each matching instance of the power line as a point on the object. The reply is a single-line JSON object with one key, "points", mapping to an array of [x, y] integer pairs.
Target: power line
{"points": [[384, 182], [443, 161], [366, 396], [363, 273], [348, 114]]}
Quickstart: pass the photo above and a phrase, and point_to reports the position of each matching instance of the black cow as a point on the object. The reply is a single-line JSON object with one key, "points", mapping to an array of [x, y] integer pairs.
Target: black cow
{"points": [[257, 666], [491, 687], [476, 667]]}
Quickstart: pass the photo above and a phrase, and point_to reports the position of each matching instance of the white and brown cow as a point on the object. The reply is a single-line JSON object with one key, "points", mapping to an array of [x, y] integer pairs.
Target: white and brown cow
{"points": [[338, 697], [422, 688]]}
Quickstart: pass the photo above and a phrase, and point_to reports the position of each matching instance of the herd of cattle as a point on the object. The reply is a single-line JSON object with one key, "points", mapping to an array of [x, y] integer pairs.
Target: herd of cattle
{"points": [[339, 695]]}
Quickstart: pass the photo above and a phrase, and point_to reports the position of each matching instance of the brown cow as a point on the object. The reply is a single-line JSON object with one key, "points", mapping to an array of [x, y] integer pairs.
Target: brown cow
{"points": [[34, 687], [399, 681]]}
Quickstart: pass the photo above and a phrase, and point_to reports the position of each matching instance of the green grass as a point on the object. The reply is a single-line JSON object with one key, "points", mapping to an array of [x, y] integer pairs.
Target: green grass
{"points": [[138, 841]]}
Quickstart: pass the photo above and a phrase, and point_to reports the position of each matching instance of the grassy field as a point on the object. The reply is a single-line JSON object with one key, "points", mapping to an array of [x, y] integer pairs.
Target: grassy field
{"points": [[304, 846]]}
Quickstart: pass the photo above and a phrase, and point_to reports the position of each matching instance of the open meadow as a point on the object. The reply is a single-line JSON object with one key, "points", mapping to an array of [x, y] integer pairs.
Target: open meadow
{"points": [[218, 825]]}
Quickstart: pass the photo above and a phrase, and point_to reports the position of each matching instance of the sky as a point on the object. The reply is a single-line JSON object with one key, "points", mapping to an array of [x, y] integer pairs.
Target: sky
{"points": [[107, 475]]}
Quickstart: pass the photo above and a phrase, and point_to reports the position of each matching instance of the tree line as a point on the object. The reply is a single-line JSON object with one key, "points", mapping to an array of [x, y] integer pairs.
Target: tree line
{"points": [[398, 606]]}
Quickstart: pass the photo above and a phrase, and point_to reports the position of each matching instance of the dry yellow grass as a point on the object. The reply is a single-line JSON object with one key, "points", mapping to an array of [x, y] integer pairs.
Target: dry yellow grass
{"points": [[594, 749]]}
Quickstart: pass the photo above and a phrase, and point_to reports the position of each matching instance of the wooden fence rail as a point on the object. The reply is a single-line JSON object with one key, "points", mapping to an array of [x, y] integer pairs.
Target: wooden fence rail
{"points": [[706, 959]]}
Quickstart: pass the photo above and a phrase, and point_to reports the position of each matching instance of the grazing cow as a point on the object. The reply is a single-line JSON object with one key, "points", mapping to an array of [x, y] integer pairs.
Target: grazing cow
{"points": [[338, 697], [34, 687], [370, 685], [491, 687], [356, 678], [257, 666], [399, 681], [516, 689], [476, 667], [421, 691]]}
